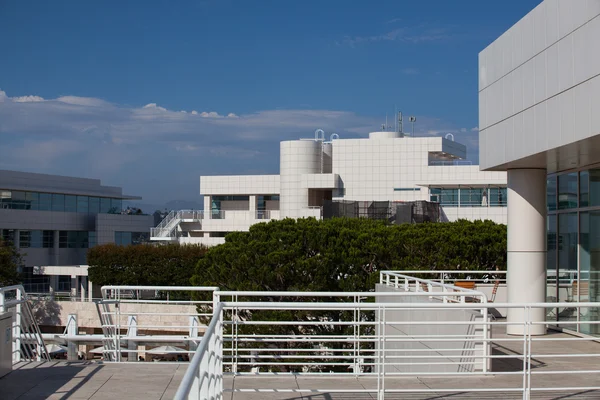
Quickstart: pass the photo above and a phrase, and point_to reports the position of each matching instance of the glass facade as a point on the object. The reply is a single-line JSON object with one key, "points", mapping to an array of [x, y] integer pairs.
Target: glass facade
{"points": [[18, 200], [487, 196], [131, 238], [573, 245]]}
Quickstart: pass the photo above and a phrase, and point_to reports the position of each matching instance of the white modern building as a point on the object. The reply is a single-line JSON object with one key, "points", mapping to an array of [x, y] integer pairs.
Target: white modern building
{"points": [[539, 115], [388, 166]]}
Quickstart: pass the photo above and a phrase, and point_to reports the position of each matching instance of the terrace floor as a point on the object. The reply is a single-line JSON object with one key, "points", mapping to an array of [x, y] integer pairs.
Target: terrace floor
{"points": [[90, 380]]}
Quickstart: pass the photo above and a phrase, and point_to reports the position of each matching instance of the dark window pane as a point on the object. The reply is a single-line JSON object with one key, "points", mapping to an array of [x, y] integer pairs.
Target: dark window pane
{"points": [[94, 205], [116, 205], [63, 239], [34, 200], [594, 187], [567, 191], [70, 203], [584, 189], [24, 239], [58, 202], [82, 204], [36, 239], [92, 241], [45, 202], [551, 193], [104, 205], [48, 239]]}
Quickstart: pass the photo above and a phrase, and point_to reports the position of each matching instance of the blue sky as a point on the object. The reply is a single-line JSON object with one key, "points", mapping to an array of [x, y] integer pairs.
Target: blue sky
{"points": [[97, 89]]}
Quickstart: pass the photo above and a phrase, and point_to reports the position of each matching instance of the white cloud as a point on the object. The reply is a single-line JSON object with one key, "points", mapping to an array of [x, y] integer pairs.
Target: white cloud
{"points": [[463, 129], [128, 146], [475, 129], [412, 35], [27, 99]]}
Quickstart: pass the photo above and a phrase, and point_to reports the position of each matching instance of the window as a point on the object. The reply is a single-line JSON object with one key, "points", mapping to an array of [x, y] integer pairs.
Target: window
{"points": [[45, 201], [82, 204], [497, 197], [471, 197], [70, 203], [33, 198], [8, 235], [449, 197], [131, 238], [58, 202], [48, 239], [92, 239], [24, 239], [104, 205], [73, 239], [594, 187], [551, 193], [116, 205], [567, 191], [94, 205]]}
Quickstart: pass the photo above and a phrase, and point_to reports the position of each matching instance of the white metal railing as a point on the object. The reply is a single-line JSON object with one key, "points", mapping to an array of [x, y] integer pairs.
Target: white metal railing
{"points": [[27, 341], [443, 291], [446, 276], [167, 228], [262, 214], [204, 376], [372, 340], [170, 314]]}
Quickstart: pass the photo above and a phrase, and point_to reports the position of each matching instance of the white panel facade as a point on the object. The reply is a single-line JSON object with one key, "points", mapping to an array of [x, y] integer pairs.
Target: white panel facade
{"points": [[538, 84]]}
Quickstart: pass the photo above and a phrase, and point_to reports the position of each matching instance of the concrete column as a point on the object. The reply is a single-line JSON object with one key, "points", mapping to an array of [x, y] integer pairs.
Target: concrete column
{"points": [[526, 258], [72, 331], [90, 287], [252, 206], [207, 205], [17, 239]]}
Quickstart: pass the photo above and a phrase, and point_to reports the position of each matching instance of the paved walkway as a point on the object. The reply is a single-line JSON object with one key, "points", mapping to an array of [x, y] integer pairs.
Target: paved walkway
{"points": [[96, 381]]}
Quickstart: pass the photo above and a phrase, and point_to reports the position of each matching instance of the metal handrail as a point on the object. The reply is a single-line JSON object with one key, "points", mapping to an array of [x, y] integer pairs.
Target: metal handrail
{"points": [[189, 379]]}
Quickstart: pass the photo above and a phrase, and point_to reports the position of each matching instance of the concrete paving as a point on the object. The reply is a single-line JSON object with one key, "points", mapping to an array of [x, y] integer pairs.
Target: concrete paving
{"points": [[89, 380]]}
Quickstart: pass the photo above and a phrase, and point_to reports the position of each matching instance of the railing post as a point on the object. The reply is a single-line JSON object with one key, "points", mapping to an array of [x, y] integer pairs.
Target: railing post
{"points": [[485, 350], [396, 281], [17, 327]]}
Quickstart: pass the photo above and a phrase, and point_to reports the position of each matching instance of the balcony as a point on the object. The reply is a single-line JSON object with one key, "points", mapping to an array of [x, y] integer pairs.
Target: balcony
{"points": [[411, 338]]}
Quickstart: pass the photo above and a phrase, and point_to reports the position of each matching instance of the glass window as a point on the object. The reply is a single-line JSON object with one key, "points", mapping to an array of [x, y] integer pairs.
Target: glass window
{"points": [[63, 239], [58, 202], [45, 202], [5, 199], [82, 204], [8, 235], [567, 191], [551, 193], [104, 205], [34, 200], [587, 289], [19, 201], [92, 240], [449, 197], [25, 239], [594, 187], [140, 237], [567, 264], [70, 203], [497, 197], [471, 197], [36, 239], [584, 189], [48, 239], [116, 205], [94, 205]]}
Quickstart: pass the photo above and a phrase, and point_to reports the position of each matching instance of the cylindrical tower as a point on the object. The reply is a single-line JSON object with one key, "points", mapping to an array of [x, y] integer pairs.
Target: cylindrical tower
{"points": [[297, 157]]}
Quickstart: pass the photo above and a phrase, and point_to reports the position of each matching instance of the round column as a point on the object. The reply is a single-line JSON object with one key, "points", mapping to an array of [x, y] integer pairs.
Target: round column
{"points": [[526, 258], [297, 157]]}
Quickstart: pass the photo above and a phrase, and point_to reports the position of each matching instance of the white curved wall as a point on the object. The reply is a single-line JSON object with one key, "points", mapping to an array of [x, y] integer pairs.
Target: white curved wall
{"points": [[297, 157]]}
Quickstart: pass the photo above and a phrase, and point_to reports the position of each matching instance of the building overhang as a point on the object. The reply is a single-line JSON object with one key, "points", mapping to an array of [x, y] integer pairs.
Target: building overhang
{"points": [[320, 181]]}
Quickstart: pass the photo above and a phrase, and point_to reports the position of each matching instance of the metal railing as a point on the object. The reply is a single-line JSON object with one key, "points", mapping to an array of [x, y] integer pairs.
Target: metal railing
{"points": [[445, 276], [167, 228], [204, 376], [27, 341], [449, 162], [380, 344], [126, 310]]}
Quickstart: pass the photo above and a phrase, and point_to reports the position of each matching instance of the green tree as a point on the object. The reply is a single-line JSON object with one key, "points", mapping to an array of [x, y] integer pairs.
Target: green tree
{"points": [[10, 260], [170, 265]]}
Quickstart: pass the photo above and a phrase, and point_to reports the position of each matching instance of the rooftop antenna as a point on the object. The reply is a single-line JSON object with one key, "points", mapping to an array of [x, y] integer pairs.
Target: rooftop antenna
{"points": [[400, 122], [412, 120]]}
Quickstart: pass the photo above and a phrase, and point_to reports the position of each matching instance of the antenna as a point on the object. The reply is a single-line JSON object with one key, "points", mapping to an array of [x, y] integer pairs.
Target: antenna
{"points": [[412, 120], [400, 122]]}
